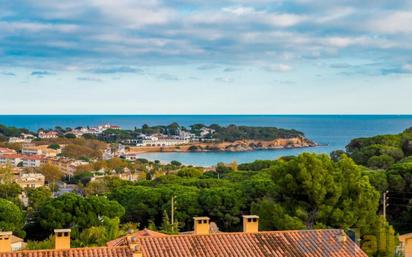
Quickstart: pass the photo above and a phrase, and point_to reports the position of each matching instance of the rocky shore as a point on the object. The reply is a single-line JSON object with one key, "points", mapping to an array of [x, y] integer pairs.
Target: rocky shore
{"points": [[236, 146]]}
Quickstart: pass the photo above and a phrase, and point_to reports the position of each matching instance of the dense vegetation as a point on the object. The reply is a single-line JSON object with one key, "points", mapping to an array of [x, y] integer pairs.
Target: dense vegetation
{"points": [[230, 133], [6, 132], [303, 192], [390, 162]]}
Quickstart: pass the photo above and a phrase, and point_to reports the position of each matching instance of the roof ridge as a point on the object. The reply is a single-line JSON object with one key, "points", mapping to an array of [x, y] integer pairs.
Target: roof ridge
{"points": [[75, 249], [259, 232]]}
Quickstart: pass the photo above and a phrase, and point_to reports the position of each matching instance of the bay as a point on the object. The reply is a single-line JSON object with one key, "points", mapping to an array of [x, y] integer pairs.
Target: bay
{"points": [[332, 131]]}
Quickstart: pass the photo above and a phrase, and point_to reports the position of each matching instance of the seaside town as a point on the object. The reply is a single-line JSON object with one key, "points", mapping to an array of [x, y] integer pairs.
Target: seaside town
{"points": [[187, 128], [88, 186]]}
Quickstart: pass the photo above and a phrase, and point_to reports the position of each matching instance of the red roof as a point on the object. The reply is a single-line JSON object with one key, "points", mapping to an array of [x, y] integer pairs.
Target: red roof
{"points": [[305, 243], [122, 241], [300, 243], [74, 252]]}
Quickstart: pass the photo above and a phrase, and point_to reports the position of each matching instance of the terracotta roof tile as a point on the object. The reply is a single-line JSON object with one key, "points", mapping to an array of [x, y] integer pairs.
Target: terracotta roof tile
{"points": [[74, 252], [302, 243], [313, 243], [122, 241]]}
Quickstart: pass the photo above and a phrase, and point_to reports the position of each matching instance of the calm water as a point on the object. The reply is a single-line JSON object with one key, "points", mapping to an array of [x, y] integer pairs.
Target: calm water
{"points": [[333, 130]]}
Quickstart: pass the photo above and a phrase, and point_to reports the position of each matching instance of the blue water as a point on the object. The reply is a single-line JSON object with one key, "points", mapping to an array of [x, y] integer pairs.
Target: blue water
{"points": [[335, 131]]}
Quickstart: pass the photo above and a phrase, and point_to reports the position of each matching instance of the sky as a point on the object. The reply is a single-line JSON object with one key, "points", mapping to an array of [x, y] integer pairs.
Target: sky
{"points": [[205, 57]]}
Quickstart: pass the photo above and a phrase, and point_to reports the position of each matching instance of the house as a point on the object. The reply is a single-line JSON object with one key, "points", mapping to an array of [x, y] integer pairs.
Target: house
{"points": [[40, 150], [11, 159], [31, 161], [4, 150], [249, 243], [15, 140], [405, 245], [30, 180], [48, 135]]}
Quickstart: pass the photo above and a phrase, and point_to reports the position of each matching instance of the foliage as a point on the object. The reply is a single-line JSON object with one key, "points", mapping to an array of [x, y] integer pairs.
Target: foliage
{"points": [[51, 172], [80, 213], [11, 217], [38, 197], [380, 151], [84, 148], [190, 172], [11, 192], [99, 235], [54, 146], [39, 245], [232, 133], [11, 131]]}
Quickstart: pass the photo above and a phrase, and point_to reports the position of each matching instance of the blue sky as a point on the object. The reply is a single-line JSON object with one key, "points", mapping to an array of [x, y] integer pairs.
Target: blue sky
{"points": [[193, 56]]}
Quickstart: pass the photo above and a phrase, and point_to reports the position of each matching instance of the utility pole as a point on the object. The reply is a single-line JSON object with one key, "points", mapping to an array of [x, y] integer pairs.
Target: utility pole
{"points": [[173, 210], [385, 204]]}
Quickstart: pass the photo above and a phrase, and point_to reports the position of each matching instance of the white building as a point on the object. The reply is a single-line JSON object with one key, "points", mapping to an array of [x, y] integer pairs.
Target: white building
{"points": [[32, 161], [163, 142], [10, 159], [48, 135], [14, 140]]}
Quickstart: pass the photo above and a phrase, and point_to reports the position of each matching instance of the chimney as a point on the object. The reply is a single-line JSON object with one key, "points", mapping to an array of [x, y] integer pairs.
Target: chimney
{"points": [[5, 241], [62, 239], [134, 246], [201, 225], [341, 236], [250, 223]]}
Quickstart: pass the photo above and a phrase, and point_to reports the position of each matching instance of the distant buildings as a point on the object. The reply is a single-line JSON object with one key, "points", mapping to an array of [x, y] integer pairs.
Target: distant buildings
{"points": [[30, 180], [79, 132], [40, 150], [22, 139], [48, 135]]}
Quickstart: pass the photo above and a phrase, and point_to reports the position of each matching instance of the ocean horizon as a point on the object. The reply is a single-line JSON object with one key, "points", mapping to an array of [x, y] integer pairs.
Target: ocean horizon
{"points": [[332, 132]]}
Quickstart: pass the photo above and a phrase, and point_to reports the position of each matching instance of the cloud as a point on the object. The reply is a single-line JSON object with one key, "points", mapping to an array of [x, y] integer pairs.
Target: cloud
{"points": [[6, 73], [41, 74], [340, 66], [167, 76], [92, 79], [109, 37], [230, 69], [114, 70], [225, 79], [207, 67], [278, 68]]}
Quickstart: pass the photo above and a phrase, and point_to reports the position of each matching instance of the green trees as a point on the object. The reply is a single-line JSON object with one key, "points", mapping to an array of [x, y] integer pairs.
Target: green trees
{"points": [[380, 151], [11, 217], [314, 192], [79, 213]]}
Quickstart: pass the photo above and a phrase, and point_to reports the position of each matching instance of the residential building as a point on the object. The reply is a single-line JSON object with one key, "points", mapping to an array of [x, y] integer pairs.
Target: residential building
{"points": [[48, 135], [31, 161], [249, 243], [4, 150], [11, 159], [405, 245], [30, 180], [40, 150], [160, 142], [14, 140]]}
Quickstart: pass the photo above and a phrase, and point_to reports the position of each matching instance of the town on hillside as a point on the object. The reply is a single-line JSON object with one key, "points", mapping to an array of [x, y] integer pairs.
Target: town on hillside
{"points": [[82, 190]]}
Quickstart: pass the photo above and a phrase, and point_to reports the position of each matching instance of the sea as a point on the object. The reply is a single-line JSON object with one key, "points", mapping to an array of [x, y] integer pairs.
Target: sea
{"points": [[332, 132]]}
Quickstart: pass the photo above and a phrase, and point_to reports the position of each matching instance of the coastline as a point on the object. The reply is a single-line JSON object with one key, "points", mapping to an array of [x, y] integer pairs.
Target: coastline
{"points": [[236, 146]]}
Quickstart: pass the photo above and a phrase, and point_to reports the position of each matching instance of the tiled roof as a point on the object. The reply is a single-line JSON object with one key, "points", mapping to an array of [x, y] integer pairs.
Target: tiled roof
{"points": [[309, 243], [122, 241], [74, 252]]}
